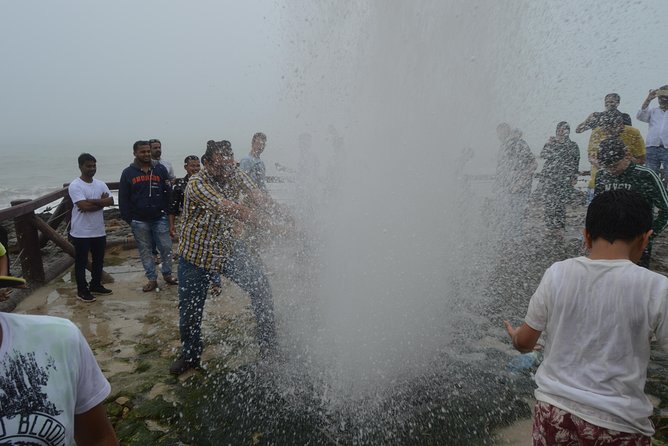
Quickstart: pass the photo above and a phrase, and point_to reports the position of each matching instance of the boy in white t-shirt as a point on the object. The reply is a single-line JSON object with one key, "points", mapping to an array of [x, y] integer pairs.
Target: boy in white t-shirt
{"points": [[598, 313], [89, 197]]}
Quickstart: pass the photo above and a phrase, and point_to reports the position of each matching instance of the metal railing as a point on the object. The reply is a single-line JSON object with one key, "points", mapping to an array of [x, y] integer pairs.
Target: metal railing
{"points": [[33, 233]]}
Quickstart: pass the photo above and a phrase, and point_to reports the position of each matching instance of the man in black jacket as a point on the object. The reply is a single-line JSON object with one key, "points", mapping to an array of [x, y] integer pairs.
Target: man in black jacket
{"points": [[143, 195]]}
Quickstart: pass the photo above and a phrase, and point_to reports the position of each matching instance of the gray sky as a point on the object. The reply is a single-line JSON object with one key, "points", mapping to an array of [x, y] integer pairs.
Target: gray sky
{"points": [[81, 73], [78, 71]]}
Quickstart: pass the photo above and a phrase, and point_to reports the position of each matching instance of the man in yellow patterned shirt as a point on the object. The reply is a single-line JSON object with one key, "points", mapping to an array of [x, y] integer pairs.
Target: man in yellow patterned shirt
{"points": [[209, 243]]}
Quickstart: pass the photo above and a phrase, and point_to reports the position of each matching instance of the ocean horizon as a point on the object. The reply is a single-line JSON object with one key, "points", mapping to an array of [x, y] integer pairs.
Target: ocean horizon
{"points": [[30, 174], [31, 171]]}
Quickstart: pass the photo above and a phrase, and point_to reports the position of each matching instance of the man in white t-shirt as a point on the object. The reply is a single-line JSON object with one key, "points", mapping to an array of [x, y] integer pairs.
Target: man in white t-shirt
{"points": [[87, 231], [598, 313], [51, 388], [657, 132]]}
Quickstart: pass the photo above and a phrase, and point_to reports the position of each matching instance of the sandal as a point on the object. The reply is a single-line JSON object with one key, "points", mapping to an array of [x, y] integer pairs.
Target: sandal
{"points": [[169, 280], [150, 286]]}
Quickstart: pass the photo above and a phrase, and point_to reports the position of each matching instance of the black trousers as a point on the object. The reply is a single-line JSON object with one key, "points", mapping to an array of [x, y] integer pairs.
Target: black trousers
{"points": [[82, 246]]}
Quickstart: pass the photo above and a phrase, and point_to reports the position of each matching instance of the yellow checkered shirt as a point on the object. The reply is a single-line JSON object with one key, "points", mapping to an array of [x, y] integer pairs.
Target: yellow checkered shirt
{"points": [[205, 235]]}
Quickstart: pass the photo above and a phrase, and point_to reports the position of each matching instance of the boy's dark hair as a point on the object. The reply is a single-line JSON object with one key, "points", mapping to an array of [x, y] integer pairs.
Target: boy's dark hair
{"points": [[136, 145], [84, 157], [618, 215], [190, 158], [614, 96]]}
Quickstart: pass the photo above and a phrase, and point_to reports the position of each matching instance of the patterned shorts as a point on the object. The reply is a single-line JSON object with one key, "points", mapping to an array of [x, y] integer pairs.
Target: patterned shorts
{"points": [[554, 426]]}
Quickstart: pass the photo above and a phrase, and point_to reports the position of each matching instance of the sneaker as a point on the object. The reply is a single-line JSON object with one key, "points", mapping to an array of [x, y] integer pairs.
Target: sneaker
{"points": [[100, 290], [182, 365], [85, 296]]}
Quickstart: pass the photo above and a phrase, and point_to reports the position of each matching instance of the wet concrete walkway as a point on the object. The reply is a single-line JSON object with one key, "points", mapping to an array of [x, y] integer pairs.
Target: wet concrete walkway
{"points": [[135, 335]]}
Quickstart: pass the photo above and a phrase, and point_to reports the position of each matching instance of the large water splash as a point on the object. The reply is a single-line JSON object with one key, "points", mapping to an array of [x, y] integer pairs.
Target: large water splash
{"points": [[395, 235], [388, 305]]}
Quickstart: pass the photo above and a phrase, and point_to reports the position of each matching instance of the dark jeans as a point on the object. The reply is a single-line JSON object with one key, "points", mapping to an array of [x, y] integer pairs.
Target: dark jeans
{"points": [[243, 268], [82, 246]]}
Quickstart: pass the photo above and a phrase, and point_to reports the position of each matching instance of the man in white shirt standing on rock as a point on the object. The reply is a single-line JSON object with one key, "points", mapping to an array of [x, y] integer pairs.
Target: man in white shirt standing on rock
{"points": [[89, 197], [657, 133]]}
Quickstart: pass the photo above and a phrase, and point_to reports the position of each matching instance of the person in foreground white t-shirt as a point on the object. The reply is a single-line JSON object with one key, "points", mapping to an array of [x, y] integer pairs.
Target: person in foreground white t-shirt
{"points": [[599, 314], [51, 388]]}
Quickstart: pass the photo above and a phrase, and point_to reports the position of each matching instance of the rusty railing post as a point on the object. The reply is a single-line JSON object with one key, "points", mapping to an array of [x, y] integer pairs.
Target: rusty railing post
{"points": [[27, 238]]}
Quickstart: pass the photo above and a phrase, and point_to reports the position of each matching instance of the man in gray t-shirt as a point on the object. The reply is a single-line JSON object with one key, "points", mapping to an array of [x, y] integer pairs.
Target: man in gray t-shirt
{"points": [[252, 165], [156, 156]]}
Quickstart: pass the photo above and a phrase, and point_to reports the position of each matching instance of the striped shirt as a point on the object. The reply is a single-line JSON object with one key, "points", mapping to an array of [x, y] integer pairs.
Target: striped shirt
{"points": [[643, 180], [205, 235]]}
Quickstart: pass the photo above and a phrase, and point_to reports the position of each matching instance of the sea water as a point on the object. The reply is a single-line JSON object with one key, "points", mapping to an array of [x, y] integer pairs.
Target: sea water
{"points": [[31, 171]]}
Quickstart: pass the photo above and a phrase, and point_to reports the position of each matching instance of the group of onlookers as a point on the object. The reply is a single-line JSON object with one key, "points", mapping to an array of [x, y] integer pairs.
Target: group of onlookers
{"points": [[150, 200], [619, 157], [59, 392], [213, 212], [598, 314]]}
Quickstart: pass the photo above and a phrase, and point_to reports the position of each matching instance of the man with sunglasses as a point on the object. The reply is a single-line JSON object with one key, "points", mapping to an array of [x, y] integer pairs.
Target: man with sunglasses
{"points": [[219, 200]]}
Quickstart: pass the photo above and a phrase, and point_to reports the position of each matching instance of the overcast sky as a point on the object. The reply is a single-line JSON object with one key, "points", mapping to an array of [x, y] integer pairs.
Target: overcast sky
{"points": [[75, 71], [82, 72]]}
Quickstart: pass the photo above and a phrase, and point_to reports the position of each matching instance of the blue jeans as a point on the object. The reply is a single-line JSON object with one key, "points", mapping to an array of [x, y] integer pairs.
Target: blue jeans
{"points": [[657, 156], [147, 232], [243, 268]]}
